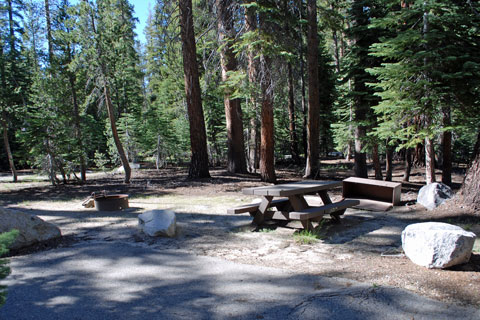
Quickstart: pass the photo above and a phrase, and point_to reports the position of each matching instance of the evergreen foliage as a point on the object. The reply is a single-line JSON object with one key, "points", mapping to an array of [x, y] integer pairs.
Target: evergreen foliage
{"points": [[379, 69], [6, 239], [426, 72]]}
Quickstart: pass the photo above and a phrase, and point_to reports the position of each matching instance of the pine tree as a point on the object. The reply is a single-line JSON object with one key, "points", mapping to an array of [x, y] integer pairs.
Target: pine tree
{"points": [[12, 76], [107, 39], [236, 161], [198, 140], [425, 73]]}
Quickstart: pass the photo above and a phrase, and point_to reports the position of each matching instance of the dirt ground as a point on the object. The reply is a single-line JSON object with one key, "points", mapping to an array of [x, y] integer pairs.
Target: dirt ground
{"points": [[365, 246]]}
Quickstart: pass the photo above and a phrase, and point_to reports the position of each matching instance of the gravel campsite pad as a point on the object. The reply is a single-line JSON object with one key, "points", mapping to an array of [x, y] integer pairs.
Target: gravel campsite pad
{"points": [[365, 246]]}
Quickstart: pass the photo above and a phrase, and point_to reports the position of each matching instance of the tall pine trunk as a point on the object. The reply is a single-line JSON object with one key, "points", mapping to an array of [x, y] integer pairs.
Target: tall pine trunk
{"points": [[429, 147], [267, 169], [291, 117], [376, 163], [254, 141], [77, 127], [429, 161], [408, 164], [471, 184], [51, 152], [108, 103], [198, 137], [302, 81], [389, 163], [267, 141], [236, 162], [360, 104], [4, 120], [447, 148], [7, 146], [116, 138], [313, 92]]}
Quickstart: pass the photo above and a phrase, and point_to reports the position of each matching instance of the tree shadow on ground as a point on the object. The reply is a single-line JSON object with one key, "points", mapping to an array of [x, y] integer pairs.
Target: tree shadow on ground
{"points": [[118, 281]]}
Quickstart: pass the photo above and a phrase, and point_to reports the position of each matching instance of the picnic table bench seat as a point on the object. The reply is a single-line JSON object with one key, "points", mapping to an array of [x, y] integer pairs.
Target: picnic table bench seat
{"points": [[306, 216], [316, 212], [252, 207]]}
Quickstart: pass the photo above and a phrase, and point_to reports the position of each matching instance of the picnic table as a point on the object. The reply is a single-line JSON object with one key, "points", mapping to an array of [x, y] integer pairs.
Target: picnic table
{"points": [[290, 202]]}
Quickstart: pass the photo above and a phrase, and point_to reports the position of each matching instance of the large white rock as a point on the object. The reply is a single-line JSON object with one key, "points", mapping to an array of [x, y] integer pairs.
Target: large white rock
{"points": [[437, 244], [434, 194], [158, 223], [31, 228]]}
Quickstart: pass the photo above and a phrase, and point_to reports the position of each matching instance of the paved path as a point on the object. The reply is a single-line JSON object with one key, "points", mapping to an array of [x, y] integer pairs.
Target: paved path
{"points": [[111, 280]]}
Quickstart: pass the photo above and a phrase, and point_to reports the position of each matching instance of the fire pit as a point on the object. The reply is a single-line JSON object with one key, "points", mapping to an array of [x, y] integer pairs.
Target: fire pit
{"points": [[111, 202]]}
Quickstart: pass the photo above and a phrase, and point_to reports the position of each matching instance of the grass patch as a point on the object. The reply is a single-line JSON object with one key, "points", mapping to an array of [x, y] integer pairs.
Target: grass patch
{"points": [[311, 236], [308, 236]]}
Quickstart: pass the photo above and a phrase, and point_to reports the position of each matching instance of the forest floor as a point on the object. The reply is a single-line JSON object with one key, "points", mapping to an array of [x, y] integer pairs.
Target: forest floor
{"points": [[365, 246]]}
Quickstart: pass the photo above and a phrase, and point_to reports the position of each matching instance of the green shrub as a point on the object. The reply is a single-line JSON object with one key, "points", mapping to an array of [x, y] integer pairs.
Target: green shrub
{"points": [[5, 240]]}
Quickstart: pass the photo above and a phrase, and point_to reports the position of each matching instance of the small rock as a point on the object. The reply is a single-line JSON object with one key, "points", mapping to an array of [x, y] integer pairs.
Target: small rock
{"points": [[89, 203], [32, 229], [157, 223], [437, 244], [434, 194], [133, 166]]}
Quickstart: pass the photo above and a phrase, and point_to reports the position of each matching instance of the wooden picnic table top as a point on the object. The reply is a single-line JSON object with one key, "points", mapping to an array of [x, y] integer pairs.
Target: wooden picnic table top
{"points": [[293, 188]]}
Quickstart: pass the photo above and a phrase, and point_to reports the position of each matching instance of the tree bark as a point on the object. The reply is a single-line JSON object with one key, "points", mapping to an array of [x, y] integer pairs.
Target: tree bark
{"points": [[254, 141], [311, 168], [447, 148], [236, 162], [291, 117], [476, 148], [360, 161], [6, 143], [471, 185], [408, 164], [389, 163], [267, 157], [429, 161], [429, 147], [376, 163], [267, 165], [198, 137], [116, 139]]}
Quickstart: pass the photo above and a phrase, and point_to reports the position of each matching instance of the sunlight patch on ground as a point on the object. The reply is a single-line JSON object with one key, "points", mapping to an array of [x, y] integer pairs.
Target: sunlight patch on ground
{"points": [[61, 300]]}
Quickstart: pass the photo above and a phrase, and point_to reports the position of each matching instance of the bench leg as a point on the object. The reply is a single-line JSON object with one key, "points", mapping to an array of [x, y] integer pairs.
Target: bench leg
{"points": [[336, 216], [307, 225], [259, 215]]}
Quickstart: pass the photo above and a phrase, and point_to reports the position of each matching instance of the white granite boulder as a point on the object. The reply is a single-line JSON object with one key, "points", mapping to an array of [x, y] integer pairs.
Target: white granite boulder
{"points": [[31, 228], [437, 245], [157, 223], [434, 194]]}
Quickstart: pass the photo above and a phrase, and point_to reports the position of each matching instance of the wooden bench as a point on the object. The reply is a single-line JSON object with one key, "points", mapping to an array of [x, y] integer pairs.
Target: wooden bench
{"points": [[306, 216], [373, 195], [253, 207]]}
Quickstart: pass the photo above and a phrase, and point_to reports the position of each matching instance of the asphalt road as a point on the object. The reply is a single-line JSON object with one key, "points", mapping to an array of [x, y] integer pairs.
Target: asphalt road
{"points": [[111, 280]]}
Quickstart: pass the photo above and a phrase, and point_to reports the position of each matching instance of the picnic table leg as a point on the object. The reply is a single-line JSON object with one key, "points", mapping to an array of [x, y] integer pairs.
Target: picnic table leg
{"points": [[298, 202], [324, 196], [326, 200], [259, 216]]}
